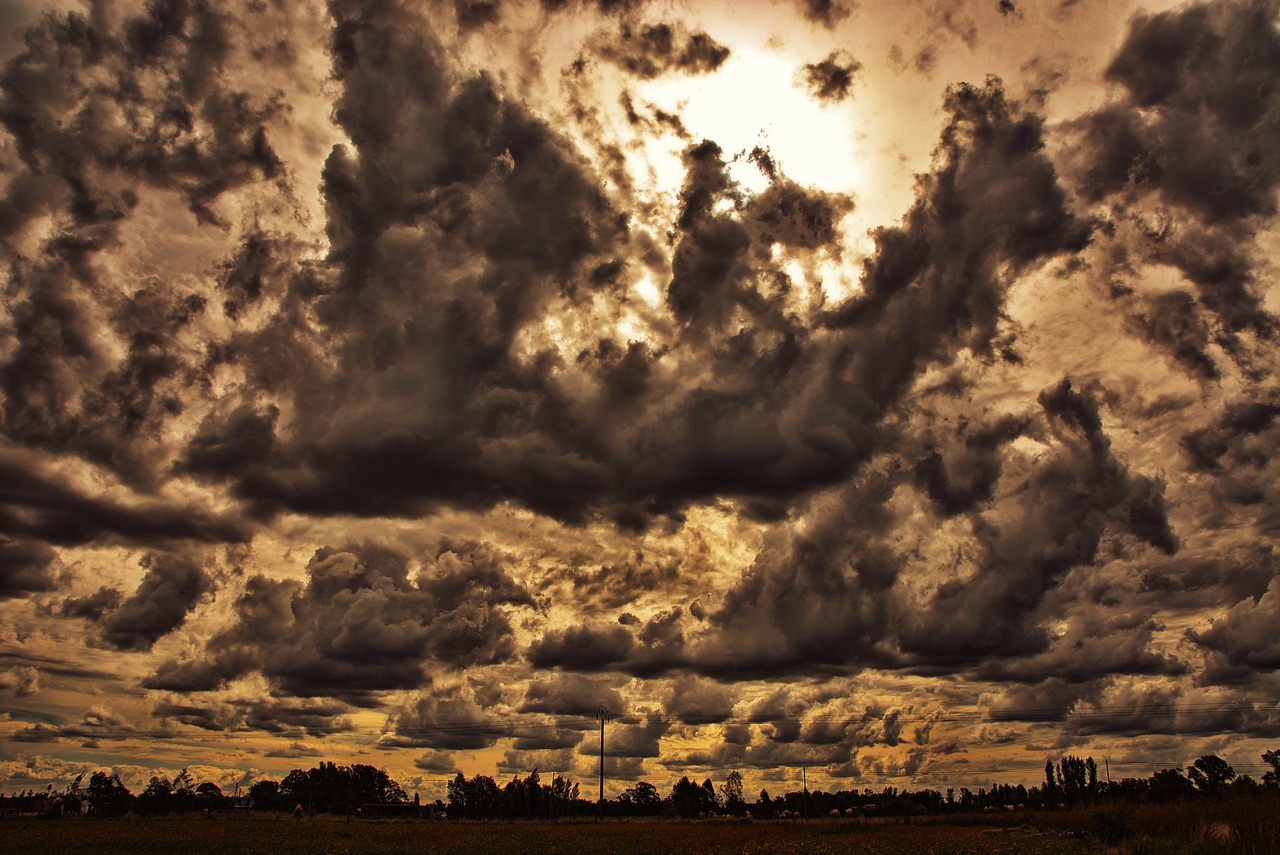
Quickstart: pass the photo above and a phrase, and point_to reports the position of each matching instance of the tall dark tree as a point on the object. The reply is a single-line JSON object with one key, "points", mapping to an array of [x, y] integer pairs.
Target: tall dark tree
{"points": [[564, 796], [1072, 779], [157, 796], [1271, 778], [731, 797], [641, 800], [107, 795], [1169, 785], [686, 798], [1211, 774], [266, 796], [330, 788]]}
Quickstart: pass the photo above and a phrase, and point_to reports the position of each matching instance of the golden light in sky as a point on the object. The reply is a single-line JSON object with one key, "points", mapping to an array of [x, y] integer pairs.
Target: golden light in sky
{"points": [[756, 99]]}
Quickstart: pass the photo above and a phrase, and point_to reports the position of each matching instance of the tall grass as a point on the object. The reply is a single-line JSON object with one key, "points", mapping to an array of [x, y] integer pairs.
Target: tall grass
{"points": [[1239, 824]]}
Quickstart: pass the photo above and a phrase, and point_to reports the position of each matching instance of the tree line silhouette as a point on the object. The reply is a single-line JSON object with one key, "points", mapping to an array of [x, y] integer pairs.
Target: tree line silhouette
{"points": [[366, 790]]}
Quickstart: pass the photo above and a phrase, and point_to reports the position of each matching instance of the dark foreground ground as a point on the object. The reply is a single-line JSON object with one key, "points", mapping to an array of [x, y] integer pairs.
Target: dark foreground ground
{"points": [[276, 836]]}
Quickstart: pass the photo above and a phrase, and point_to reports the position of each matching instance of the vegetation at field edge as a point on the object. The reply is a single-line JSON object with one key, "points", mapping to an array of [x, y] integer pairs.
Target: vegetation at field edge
{"points": [[284, 835]]}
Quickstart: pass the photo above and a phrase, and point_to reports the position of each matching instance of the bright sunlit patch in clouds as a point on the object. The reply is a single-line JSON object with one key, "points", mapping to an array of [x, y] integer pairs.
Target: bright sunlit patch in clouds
{"points": [[754, 99]]}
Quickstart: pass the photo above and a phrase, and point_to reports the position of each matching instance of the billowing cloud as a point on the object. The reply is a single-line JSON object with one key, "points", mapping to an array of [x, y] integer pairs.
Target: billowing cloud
{"points": [[830, 79], [464, 365], [279, 716], [360, 626], [657, 49], [20, 682], [26, 567], [171, 588]]}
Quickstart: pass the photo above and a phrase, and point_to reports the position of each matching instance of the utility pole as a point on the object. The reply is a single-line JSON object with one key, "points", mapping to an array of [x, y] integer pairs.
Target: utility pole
{"points": [[603, 715], [804, 779]]}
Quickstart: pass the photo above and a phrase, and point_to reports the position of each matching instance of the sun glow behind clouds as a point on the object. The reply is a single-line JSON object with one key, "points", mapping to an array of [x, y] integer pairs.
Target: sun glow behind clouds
{"points": [[755, 99]]}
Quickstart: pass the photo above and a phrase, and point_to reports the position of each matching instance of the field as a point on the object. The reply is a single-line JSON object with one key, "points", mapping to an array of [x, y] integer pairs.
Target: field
{"points": [[271, 836]]}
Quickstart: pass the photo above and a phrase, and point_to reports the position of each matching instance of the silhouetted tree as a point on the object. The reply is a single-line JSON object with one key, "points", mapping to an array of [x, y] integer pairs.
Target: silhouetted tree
{"points": [[1271, 778], [107, 795], [1072, 779], [156, 797], [1211, 774], [209, 795], [1169, 785], [564, 796], [709, 800], [330, 788], [688, 799], [73, 796], [476, 798], [641, 800], [731, 794], [266, 796]]}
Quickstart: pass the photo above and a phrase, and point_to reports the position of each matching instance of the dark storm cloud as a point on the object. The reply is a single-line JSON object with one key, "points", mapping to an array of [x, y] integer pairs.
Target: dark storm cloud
{"points": [[360, 626], [1067, 505], [498, 222], [829, 598], [643, 649], [1239, 436], [825, 12], [95, 723], [511, 219], [831, 79], [694, 700], [286, 716], [959, 475], [25, 567], [1234, 453], [472, 14], [100, 114], [1096, 643], [1244, 571], [819, 599], [172, 586], [36, 502], [1172, 323], [271, 715], [633, 738], [658, 49], [93, 606], [794, 216], [1051, 699], [572, 695], [1198, 130], [191, 136], [446, 718], [619, 583], [439, 762], [811, 602], [582, 648], [1243, 642], [1134, 710]]}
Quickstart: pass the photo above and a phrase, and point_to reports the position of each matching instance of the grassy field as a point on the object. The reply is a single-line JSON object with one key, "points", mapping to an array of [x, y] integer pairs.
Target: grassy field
{"points": [[236, 835]]}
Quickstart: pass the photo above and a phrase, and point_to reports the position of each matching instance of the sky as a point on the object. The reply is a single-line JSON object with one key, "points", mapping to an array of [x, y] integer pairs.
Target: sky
{"points": [[882, 393]]}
